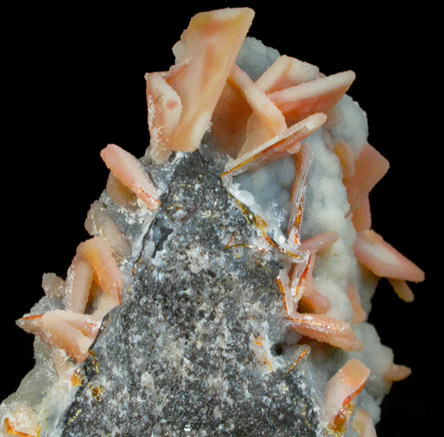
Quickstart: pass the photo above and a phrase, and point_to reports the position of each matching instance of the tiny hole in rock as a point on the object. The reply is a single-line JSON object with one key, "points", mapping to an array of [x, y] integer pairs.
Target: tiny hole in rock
{"points": [[277, 349], [160, 233]]}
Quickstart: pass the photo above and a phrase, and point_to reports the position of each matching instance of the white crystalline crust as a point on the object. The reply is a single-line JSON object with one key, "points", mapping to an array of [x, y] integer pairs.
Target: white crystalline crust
{"points": [[353, 128], [267, 192], [326, 210], [254, 57], [42, 390]]}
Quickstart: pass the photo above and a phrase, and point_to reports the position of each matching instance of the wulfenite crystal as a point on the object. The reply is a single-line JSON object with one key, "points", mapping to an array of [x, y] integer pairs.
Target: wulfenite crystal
{"points": [[226, 285]]}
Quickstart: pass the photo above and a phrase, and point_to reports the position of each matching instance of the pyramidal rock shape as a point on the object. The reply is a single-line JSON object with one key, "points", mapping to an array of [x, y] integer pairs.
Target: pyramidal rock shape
{"points": [[228, 277]]}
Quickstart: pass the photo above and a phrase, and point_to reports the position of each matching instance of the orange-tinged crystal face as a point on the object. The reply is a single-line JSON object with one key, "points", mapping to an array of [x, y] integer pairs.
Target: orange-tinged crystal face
{"points": [[286, 72], [106, 271], [11, 430], [341, 391], [319, 95], [209, 46], [273, 149], [370, 167], [79, 280], [383, 259], [72, 332], [128, 171], [326, 330], [76, 379], [267, 112]]}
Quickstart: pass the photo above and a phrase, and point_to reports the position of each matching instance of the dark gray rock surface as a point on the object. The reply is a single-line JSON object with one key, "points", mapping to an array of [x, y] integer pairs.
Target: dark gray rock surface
{"points": [[176, 357]]}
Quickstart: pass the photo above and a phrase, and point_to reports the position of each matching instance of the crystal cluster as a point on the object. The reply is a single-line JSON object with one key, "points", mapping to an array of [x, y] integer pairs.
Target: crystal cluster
{"points": [[228, 278]]}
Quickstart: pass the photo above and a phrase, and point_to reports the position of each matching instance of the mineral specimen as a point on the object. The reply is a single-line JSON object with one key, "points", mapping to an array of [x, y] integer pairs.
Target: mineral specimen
{"points": [[228, 278]]}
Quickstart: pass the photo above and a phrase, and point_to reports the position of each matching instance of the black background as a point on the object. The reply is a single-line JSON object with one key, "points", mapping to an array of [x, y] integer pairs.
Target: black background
{"points": [[73, 81]]}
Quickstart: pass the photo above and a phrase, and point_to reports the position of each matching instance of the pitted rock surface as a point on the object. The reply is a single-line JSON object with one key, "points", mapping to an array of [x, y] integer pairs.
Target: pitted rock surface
{"points": [[175, 358]]}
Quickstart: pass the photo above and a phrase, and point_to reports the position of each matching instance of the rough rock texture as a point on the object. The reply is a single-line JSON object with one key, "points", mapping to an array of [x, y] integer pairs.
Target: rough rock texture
{"points": [[180, 355]]}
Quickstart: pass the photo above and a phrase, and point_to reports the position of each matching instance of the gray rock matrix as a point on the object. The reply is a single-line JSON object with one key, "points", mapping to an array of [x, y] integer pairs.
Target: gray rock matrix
{"points": [[175, 358]]}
